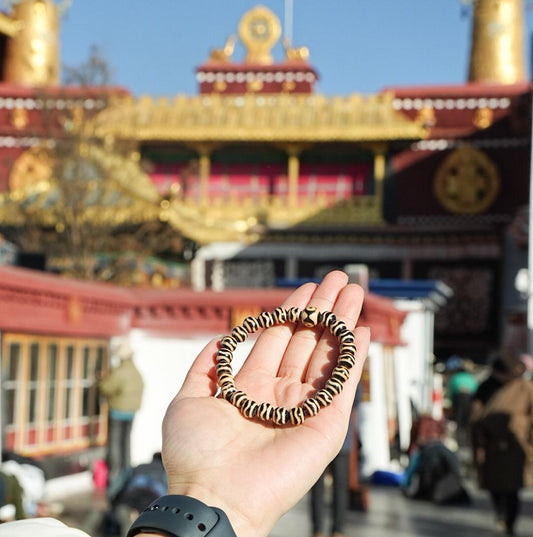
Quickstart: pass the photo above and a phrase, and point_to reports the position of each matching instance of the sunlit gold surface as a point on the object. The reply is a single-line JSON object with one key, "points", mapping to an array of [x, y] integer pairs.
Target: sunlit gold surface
{"points": [[257, 118], [33, 52], [224, 54], [124, 195], [9, 26], [498, 48], [467, 181]]}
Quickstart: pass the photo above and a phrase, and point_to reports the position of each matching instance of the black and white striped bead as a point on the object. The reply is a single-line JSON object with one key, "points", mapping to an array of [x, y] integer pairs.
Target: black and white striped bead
{"points": [[265, 319], [348, 348], [327, 318], [281, 415], [346, 360], [239, 334], [223, 367], [224, 354], [238, 398], [324, 397], [311, 407], [347, 338], [250, 324], [266, 411], [333, 386], [338, 328], [293, 315], [249, 408], [296, 415], [280, 315], [340, 373], [229, 343]]}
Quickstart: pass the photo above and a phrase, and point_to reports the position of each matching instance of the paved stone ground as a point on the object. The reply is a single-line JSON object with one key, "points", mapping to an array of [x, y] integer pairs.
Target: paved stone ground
{"points": [[389, 514]]}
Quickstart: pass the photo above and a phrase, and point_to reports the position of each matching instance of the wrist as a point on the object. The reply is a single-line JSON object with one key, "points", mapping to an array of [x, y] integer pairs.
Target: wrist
{"points": [[177, 515], [242, 526]]}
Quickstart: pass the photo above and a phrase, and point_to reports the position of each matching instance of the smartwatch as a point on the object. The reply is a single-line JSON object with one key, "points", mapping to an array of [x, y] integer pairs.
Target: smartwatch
{"points": [[182, 516]]}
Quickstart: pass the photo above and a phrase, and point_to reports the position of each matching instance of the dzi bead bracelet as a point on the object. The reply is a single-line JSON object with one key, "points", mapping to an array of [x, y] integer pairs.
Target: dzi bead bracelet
{"points": [[309, 317]]}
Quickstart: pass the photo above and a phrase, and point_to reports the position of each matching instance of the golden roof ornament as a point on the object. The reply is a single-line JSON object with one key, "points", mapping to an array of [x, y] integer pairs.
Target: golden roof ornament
{"points": [[259, 30], [497, 48], [32, 56]]}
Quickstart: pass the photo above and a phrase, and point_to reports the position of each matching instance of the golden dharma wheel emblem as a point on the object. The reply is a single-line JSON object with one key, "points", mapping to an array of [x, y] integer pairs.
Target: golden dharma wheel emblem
{"points": [[259, 30], [467, 181], [32, 168]]}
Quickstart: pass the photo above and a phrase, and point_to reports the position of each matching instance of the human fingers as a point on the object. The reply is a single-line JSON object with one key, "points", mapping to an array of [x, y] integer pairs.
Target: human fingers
{"points": [[305, 340], [271, 344], [201, 379]]}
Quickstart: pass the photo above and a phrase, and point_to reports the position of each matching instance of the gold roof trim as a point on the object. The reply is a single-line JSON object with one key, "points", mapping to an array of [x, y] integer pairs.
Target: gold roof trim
{"points": [[124, 195], [257, 118]]}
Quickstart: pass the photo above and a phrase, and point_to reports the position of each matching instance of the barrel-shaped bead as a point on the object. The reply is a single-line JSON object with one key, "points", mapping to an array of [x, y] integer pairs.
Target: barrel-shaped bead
{"points": [[311, 407], [281, 415], [349, 348], [327, 318], [238, 398], [239, 333], [333, 386], [347, 338], [309, 316], [296, 415], [280, 315], [224, 354], [265, 319], [337, 328], [250, 324], [340, 373], [266, 411], [293, 314], [249, 408], [227, 342], [324, 397], [346, 360], [223, 367]]}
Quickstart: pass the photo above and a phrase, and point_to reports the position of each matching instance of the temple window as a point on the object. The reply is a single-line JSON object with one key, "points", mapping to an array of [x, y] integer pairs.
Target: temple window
{"points": [[50, 398]]}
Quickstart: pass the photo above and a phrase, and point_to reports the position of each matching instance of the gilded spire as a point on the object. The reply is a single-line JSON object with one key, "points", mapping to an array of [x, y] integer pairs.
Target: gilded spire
{"points": [[33, 51], [497, 49]]}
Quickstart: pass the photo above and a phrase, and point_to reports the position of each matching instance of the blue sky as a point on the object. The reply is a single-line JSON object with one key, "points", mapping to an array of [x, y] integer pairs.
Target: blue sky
{"points": [[357, 46]]}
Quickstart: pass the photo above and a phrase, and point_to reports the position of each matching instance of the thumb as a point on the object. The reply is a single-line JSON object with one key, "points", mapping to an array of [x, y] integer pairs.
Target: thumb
{"points": [[201, 379]]}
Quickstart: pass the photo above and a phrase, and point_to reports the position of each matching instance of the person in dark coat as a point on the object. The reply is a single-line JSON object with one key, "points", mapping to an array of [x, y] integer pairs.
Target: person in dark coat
{"points": [[502, 436]]}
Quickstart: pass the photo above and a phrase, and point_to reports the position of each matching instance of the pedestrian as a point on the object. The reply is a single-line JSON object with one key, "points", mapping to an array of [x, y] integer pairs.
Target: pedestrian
{"points": [[460, 388], [339, 468], [502, 436], [249, 472], [433, 472], [123, 389]]}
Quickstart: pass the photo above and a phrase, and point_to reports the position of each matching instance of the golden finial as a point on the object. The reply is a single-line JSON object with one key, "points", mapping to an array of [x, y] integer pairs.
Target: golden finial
{"points": [[497, 43], [33, 52], [259, 30]]}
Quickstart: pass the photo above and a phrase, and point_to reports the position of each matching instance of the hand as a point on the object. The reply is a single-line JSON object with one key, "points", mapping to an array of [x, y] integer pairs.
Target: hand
{"points": [[256, 471]]}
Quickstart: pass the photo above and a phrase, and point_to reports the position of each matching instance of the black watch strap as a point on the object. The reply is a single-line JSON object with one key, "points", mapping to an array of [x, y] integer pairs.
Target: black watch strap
{"points": [[182, 516]]}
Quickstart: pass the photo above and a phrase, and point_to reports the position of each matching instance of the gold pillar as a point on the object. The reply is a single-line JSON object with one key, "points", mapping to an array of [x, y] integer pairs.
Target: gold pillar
{"points": [[380, 163], [497, 43], [293, 177], [32, 56], [204, 171]]}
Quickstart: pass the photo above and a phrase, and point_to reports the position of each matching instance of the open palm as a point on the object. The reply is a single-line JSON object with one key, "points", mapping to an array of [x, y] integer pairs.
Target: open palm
{"points": [[254, 470]]}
